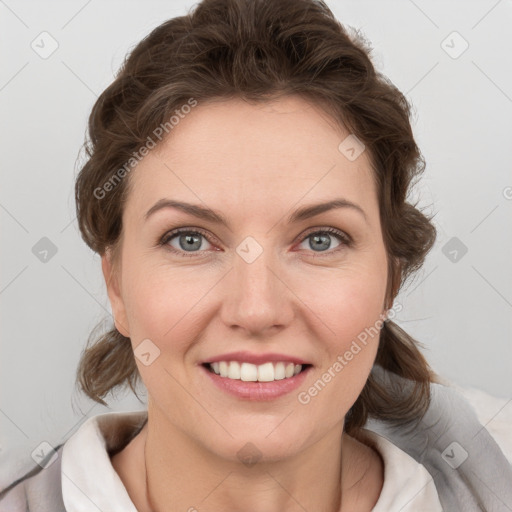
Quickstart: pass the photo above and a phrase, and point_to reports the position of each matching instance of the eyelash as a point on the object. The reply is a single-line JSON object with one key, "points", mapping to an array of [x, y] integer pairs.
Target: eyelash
{"points": [[346, 240]]}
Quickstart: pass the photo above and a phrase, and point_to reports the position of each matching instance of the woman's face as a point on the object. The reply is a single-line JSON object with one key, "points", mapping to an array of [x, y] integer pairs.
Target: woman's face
{"points": [[268, 288]]}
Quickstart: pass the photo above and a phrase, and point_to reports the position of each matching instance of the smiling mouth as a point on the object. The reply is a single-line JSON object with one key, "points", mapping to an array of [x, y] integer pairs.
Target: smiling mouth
{"points": [[248, 372]]}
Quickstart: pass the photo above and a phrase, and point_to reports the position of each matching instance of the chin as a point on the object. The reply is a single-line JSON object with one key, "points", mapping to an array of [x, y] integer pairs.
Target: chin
{"points": [[257, 441]]}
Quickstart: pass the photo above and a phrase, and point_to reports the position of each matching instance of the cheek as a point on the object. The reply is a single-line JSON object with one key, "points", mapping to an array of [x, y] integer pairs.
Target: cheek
{"points": [[358, 310], [346, 300], [350, 308], [161, 304]]}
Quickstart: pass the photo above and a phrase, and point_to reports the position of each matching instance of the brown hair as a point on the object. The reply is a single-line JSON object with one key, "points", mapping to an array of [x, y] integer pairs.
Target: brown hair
{"points": [[259, 50]]}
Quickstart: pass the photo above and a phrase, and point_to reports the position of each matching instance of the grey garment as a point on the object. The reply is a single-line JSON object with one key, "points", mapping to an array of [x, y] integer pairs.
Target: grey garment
{"points": [[41, 492], [470, 471]]}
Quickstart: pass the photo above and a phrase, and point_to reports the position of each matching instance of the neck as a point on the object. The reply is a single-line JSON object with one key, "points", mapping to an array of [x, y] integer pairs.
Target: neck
{"points": [[203, 481]]}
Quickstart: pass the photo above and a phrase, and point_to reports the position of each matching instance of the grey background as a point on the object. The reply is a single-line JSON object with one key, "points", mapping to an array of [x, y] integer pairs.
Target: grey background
{"points": [[460, 310]]}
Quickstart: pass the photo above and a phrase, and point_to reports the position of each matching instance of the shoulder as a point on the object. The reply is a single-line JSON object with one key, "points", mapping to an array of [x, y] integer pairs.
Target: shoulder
{"points": [[38, 490]]}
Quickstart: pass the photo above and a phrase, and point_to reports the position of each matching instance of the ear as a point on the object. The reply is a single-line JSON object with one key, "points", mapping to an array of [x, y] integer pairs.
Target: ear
{"points": [[114, 295]]}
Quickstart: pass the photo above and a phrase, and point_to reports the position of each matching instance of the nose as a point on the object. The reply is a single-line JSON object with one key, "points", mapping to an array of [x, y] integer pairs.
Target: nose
{"points": [[257, 298]]}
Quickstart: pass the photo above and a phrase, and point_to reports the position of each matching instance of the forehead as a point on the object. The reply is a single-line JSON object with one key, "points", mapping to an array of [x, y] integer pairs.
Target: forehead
{"points": [[234, 152]]}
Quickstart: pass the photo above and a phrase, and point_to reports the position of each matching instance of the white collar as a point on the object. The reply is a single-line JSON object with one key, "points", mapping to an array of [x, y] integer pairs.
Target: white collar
{"points": [[88, 478]]}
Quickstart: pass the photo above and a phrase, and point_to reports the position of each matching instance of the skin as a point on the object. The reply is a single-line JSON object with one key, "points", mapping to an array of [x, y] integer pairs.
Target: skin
{"points": [[255, 164]]}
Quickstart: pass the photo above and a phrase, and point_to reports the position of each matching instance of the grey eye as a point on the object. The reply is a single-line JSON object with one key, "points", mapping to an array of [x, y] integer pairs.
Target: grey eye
{"points": [[189, 241], [320, 241]]}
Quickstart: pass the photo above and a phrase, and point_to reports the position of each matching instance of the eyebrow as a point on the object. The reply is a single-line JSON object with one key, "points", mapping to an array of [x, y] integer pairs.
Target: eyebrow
{"points": [[208, 214]]}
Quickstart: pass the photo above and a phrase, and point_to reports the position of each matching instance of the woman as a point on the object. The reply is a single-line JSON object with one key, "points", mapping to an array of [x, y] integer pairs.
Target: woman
{"points": [[246, 189]]}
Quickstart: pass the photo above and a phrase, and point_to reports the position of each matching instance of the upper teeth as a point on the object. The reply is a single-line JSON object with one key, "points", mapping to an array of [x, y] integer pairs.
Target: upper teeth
{"points": [[266, 372]]}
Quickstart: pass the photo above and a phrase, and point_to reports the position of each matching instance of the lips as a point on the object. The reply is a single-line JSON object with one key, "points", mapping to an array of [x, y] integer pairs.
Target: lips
{"points": [[251, 376], [255, 389]]}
